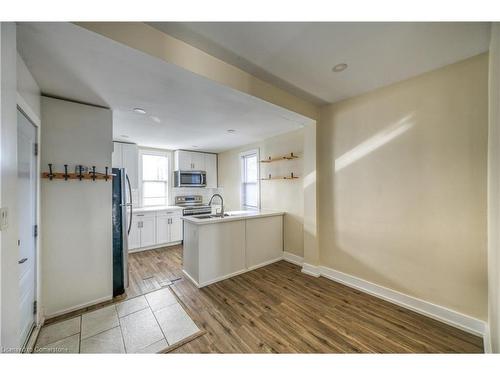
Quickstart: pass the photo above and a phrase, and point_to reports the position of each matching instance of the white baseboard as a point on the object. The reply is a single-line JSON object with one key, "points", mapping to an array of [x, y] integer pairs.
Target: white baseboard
{"points": [[190, 278], [263, 264], [138, 250], [443, 314], [292, 258], [78, 307], [311, 270]]}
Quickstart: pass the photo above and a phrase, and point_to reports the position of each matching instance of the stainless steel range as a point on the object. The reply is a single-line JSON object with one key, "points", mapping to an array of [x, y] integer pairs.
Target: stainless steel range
{"points": [[192, 205]]}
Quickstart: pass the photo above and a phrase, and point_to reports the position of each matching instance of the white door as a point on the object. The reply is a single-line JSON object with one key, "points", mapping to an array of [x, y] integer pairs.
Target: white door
{"points": [[26, 177]]}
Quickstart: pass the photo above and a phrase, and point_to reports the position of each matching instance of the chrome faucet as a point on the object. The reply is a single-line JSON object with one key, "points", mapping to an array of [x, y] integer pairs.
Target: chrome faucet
{"points": [[221, 214]]}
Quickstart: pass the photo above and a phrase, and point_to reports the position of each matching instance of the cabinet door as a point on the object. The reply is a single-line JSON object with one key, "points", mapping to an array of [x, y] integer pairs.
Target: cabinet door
{"points": [[162, 229], [183, 160], [130, 157], [175, 228], [134, 238], [116, 157], [211, 168], [198, 161], [148, 229]]}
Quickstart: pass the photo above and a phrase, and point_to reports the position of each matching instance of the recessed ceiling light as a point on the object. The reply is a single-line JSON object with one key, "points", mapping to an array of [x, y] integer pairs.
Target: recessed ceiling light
{"points": [[231, 131], [124, 136], [339, 67], [140, 110], [194, 146], [156, 119]]}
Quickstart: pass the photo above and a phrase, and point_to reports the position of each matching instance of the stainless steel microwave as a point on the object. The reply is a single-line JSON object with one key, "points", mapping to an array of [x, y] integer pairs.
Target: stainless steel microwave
{"points": [[190, 178]]}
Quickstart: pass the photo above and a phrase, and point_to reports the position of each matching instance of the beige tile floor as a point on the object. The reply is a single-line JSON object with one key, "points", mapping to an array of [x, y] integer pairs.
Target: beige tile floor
{"points": [[145, 324]]}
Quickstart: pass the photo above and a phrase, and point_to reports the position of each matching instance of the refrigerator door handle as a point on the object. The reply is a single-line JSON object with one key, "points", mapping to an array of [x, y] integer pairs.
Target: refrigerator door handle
{"points": [[129, 204]]}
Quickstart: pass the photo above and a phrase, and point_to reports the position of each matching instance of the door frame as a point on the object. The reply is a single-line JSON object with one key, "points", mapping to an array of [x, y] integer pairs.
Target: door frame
{"points": [[34, 119]]}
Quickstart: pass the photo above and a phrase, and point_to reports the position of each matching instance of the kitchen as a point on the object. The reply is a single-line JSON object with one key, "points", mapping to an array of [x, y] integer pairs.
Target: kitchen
{"points": [[176, 199]]}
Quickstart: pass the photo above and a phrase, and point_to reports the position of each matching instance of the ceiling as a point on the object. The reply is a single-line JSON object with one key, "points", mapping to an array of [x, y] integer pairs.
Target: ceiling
{"points": [[299, 57], [184, 110]]}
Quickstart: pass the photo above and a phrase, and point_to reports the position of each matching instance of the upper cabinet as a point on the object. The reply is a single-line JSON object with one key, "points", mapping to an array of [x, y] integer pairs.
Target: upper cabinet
{"points": [[211, 169], [126, 155], [197, 161]]}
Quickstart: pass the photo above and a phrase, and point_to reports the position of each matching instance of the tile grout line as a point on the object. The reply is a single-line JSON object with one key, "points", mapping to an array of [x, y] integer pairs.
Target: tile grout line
{"points": [[157, 322], [121, 331]]}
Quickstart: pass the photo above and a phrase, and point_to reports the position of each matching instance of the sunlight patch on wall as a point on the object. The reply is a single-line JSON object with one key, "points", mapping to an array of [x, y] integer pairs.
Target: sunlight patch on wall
{"points": [[373, 143]]}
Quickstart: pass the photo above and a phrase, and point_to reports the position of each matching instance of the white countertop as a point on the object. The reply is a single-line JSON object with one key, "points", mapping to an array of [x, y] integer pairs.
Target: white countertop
{"points": [[233, 215], [155, 208]]}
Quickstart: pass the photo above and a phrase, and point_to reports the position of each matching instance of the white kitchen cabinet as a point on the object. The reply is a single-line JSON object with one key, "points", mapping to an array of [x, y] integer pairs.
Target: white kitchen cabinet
{"points": [[182, 161], [197, 161], [176, 228], [116, 157], [134, 237], [126, 155], [143, 232], [168, 227], [152, 229], [148, 231], [162, 229], [211, 169]]}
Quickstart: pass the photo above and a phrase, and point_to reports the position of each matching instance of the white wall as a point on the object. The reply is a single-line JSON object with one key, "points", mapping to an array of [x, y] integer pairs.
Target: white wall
{"points": [[9, 298], [76, 215], [494, 190]]}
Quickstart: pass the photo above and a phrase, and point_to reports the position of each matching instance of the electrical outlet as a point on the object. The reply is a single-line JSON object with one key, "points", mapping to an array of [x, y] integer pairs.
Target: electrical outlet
{"points": [[4, 218]]}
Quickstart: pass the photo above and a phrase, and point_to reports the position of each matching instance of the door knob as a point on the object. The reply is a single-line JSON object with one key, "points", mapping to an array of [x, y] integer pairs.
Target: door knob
{"points": [[22, 260]]}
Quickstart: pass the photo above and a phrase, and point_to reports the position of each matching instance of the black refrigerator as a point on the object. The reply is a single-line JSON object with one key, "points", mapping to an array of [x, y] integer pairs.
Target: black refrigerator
{"points": [[122, 220]]}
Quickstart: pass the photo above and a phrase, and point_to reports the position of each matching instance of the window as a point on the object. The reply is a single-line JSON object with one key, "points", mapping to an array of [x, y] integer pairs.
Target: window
{"points": [[250, 179], [154, 169]]}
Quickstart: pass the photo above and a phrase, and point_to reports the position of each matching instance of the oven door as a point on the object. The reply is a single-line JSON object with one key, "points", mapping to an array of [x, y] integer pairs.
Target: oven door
{"points": [[190, 179]]}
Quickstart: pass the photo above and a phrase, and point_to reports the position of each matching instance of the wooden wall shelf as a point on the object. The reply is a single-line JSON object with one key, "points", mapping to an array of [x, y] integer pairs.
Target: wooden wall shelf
{"points": [[76, 176], [280, 178], [279, 158]]}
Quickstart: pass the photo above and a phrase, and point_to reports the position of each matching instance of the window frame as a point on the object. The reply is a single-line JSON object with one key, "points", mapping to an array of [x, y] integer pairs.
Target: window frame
{"points": [[165, 154], [242, 157]]}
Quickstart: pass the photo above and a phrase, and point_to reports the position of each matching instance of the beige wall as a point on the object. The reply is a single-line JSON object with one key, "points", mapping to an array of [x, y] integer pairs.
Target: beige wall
{"points": [[276, 194], [494, 191], [402, 186]]}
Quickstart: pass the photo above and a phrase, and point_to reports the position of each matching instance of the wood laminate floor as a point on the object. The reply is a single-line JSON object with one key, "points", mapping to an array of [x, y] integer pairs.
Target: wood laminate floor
{"points": [[278, 309]]}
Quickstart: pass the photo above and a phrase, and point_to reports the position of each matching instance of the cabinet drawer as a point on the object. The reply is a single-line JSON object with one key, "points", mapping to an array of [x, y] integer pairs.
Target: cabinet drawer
{"points": [[138, 215], [169, 213]]}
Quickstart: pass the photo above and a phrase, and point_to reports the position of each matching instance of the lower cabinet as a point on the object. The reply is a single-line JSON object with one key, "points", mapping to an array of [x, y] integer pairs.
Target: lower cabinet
{"points": [[168, 228], [154, 229]]}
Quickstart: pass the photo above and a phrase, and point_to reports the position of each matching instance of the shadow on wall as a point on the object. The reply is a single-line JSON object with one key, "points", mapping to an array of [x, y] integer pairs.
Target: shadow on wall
{"points": [[378, 140]]}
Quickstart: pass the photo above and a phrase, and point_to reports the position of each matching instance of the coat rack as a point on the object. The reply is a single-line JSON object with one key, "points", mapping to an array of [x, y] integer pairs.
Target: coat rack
{"points": [[81, 173]]}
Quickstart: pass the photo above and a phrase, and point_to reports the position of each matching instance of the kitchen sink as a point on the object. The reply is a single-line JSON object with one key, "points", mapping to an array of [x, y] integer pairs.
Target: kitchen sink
{"points": [[209, 216]]}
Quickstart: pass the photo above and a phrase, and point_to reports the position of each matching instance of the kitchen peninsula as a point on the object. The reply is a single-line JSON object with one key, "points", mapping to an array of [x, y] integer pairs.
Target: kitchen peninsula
{"points": [[217, 248]]}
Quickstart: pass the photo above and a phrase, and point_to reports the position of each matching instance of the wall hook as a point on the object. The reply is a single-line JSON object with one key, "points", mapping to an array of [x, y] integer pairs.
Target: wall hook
{"points": [[65, 172], [80, 176], [93, 173], [51, 175]]}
